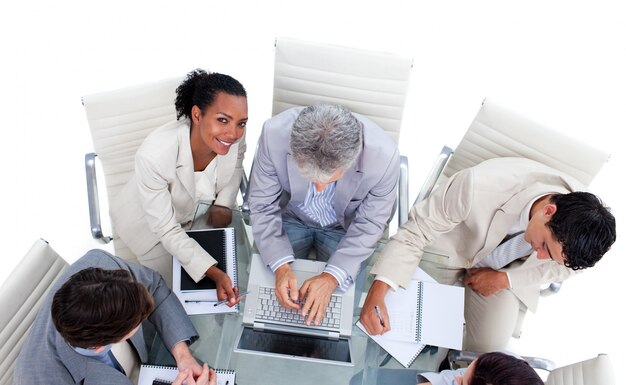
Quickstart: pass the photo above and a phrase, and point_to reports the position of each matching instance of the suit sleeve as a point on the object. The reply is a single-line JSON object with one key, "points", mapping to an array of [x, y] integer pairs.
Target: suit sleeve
{"points": [[371, 219], [540, 273], [228, 195], [265, 213], [448, 206], [156, 200]]}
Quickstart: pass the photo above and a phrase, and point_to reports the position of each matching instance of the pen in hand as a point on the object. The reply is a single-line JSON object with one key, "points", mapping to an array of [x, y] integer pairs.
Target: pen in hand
{"points": [[218, 303], [380, 317]]}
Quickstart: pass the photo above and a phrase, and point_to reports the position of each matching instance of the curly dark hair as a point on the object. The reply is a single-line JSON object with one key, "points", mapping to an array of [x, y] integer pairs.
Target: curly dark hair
{"points": [[502, 369], [200, 88], [97, 307], [584, 226]]}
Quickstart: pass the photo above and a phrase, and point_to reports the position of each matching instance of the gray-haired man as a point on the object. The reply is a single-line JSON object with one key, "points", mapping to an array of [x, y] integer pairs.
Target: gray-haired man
{"points": [[325, 178]]}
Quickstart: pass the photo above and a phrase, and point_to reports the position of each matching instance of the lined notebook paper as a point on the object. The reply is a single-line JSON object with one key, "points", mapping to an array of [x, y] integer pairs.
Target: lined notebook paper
{"points": [[425, 313], [164, 375], [405, 352], [436, 318], [220, 244]]}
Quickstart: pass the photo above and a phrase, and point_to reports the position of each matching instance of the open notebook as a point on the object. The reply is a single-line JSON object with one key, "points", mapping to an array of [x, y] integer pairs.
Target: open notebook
{"points": [[199, 297], [425, 313], [164, 375]]}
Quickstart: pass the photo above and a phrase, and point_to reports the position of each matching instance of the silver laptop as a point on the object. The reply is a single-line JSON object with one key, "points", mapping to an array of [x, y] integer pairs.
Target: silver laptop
{"points": [[270, 329]]}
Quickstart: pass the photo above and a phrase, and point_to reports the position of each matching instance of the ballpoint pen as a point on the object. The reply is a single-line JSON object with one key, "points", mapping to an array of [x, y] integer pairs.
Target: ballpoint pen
{"points": [[380, 317], [226, 300]]}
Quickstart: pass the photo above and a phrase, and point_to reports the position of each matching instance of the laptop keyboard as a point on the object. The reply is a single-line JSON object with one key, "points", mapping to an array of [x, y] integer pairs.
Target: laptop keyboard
{"points": [[269, 309]]}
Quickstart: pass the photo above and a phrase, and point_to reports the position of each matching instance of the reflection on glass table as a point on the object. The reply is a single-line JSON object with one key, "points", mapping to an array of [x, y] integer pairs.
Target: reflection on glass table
{"points": [[219, 335]]}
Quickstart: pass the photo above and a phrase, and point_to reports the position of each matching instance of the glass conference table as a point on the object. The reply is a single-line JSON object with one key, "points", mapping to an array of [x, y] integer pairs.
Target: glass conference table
{"points": [[218, 334]]}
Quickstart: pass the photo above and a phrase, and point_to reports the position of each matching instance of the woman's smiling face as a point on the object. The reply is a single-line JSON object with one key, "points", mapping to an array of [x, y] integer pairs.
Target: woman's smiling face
{"points": [[223, 123]]}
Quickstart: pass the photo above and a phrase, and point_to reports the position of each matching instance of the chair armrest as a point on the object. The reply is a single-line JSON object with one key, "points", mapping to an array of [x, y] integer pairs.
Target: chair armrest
{"points": [[403, 191], [540, 363], [553, 288], [435, 172], [467, 356], [455, 356], [245, 205], [92, 198]]}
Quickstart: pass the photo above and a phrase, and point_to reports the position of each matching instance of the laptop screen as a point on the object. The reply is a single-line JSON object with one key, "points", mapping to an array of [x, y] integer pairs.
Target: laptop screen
{"points": [[295, 346]]}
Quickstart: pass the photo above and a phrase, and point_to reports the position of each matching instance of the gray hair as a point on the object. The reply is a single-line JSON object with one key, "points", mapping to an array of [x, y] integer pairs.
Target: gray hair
{"points": [[325, 138]]}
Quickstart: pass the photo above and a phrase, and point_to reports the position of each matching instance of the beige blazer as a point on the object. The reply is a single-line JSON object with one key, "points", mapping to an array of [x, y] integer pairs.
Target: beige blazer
{"points": [[160, 198], [464, 220]]}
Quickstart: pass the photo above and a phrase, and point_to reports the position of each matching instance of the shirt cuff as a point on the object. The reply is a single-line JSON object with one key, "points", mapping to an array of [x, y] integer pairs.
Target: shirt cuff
{"points": [[386, 280], [509, 278], [342, 276], [281, 261]]}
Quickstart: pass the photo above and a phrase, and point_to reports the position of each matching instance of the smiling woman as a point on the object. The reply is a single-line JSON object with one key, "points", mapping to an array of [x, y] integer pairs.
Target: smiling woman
{"points": [[196, 158]]}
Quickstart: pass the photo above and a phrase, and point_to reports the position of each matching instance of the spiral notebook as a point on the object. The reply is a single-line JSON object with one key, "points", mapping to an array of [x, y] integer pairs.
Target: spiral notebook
{"points": [[436, 318], [164, 375], [405, 352], [199, 297]]}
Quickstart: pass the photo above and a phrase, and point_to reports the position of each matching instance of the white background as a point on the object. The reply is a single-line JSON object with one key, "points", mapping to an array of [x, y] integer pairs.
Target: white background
{"points": [[559, 62]]}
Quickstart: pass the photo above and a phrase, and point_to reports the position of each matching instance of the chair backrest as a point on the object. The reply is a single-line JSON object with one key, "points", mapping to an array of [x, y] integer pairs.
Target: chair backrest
{"points": [[499, 132], [21, 296], [120, 120], [595, 371], [370, 83]]}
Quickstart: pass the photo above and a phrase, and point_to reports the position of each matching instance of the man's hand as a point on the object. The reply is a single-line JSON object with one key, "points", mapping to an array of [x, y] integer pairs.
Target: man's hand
{"points": [[219, 216], [317, 291], [369, 318], [486, 281], [184, 359], [206, 377], [287, 287], [224, 286]]}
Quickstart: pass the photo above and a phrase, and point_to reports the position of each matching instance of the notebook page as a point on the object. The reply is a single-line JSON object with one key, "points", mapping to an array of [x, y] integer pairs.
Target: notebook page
{"points": [[442, 315], [148, 373]]}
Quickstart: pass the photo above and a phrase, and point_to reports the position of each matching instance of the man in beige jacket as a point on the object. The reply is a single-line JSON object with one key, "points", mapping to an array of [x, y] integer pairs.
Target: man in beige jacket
{"points": [[502, 228]]}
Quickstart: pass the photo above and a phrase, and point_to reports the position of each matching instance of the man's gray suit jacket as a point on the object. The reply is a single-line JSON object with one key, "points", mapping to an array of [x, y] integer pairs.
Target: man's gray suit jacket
{"points": [[47, 359], [365, 196]]}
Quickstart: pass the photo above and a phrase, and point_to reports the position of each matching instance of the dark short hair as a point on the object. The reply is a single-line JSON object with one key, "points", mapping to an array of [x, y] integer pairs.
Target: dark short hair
{"points": [[584, 226], [97, 307], [200, 88], [502, 369]]}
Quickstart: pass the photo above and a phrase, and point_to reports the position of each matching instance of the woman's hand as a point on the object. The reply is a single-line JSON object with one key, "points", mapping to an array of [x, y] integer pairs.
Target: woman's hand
{"points": [[219, 216], [225, 289], [206, 377]]}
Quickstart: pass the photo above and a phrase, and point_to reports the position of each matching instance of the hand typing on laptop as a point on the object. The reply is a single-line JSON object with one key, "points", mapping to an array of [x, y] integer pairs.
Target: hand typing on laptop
{"points": [[316, 291]]}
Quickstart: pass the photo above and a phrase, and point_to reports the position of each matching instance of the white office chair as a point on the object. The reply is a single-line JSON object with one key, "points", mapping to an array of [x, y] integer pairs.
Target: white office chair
{"points": [[499, 132], [370, 83], [21, 296], [119, 121], [594, 371]]}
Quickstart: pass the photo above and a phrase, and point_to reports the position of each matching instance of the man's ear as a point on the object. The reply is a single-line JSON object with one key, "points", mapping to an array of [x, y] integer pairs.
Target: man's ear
{"points": [[549, 209]]}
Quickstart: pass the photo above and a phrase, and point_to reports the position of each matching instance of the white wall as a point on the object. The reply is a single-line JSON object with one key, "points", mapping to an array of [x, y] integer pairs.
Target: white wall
{"points": [[559, 62]]}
